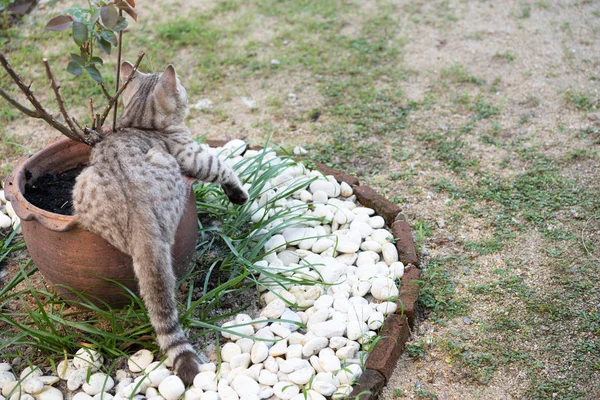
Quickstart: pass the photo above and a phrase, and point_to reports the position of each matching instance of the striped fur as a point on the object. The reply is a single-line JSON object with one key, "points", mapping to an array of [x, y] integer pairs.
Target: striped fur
{"points": [[133, 195]]}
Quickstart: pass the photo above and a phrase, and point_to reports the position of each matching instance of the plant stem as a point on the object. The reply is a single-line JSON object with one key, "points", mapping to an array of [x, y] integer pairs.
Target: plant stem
{"points": [[113, 100], [114, 126], [59, 100]]}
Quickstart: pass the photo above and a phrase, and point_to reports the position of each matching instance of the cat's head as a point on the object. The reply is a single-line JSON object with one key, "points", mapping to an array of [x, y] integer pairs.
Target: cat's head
{"points": [[152, 101]]}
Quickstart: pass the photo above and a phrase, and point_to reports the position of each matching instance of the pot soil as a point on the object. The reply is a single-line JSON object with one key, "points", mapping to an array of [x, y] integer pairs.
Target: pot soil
{"points": [[53, 192], [70, 258]]}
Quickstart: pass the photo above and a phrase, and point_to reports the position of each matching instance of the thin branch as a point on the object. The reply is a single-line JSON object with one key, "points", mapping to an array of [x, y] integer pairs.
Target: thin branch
{"points": [[84, 135], [91, 104], [18, 105], [114, 124], [105, 91], [41, 111], [114, 99], [59, 100]]}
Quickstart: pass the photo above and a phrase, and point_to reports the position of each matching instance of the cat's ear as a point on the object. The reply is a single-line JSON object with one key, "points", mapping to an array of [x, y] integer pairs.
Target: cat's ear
{"points": [[127, 69], [168, 79]]}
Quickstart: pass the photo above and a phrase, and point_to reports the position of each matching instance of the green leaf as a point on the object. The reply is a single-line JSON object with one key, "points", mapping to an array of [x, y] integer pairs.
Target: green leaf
{"points": [[80, 33], [74, 68], [96, 61], [121, 24], [60, 23], [110, 15], [94, 73], [104, 45], [110, 37], [95, 16], [78, 59]]}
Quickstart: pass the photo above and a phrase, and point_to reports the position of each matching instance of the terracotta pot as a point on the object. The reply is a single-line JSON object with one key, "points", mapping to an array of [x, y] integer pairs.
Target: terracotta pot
{"points": [[71, 257]]}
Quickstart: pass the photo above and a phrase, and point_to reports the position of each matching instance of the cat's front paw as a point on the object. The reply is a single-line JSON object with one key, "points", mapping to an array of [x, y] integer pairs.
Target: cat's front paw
{"points": [[187, 367], [236, 194]]}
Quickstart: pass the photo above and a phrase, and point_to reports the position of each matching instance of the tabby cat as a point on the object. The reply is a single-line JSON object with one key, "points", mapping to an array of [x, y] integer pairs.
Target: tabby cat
{"points": [[133, 195]]}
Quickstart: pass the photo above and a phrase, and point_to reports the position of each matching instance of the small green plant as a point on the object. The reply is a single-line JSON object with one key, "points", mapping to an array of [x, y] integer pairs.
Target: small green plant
{"points": [[91, 28], [95, 26]]}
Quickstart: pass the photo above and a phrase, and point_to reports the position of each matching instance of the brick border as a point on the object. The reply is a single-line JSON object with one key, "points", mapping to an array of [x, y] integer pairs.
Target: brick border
{"points": [[396, 328]]}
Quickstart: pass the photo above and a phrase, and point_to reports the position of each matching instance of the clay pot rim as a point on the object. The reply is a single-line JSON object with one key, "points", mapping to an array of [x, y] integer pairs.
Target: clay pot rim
{"points": [[27, 211]]}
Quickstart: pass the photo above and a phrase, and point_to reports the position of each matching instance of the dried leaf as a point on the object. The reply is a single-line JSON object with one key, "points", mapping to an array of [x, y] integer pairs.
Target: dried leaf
{"points": [[128, 9], [60, 23], [110, 15], [80, 33]]}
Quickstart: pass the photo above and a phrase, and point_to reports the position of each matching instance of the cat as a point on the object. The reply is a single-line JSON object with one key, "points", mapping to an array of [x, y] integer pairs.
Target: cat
{"points": [[132, 194]]}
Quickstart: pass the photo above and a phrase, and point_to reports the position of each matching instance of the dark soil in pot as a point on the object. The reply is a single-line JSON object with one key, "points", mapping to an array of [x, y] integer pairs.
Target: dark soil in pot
{"points": [[53, 192]]}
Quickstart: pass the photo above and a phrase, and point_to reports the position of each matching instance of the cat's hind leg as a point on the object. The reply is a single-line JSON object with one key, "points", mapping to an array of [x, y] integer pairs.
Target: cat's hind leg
{"points": [[152, 264]]}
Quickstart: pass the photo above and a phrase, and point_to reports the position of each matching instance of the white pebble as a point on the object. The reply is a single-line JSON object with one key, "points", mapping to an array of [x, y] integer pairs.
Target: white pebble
{"points": [[285, 390], [324, 388], [227, 393], [356, 329], [390, 253], [245, 385], [49, 380], [384, 288], [376, 320], [208, 367], [206, 381], [107, 396], [230, 350], [349, 374], [140, 360], [259, 352], [76, 379], [80, 396], [376, 222], [328, 361], [346, 190], [50, 393], [98, 383], [267, 378], [32, 385], [190, 394], [210, 395], [157, 376], [302, 376], [88, 358], [274, 309], [171, 388], [396, 270], [30, 372], [300, 151], [241, 360], [278, 349]]}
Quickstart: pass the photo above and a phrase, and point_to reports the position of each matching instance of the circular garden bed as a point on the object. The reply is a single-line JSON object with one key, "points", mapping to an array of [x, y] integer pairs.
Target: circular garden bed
{"points": [[334, 266]]}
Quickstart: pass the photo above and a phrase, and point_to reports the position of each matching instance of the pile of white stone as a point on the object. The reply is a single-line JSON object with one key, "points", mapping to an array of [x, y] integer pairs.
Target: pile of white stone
{"points": [[329, 276], [8, 217]]}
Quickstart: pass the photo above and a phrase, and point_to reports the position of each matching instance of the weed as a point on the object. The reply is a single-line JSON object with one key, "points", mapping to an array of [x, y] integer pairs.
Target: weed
{"points": [[580, 101], [437, 290], [507, 55]]}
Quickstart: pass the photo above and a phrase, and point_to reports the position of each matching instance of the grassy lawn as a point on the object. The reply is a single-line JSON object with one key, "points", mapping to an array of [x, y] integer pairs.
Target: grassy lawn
{"points": [[479, 120]]}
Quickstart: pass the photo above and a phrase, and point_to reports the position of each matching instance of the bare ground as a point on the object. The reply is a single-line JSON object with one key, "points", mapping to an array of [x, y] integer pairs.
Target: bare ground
{"points": [[477, 117]]}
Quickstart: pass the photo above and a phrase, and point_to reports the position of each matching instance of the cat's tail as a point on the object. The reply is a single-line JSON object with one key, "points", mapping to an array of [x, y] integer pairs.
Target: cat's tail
{"points": [[152, 265]]}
